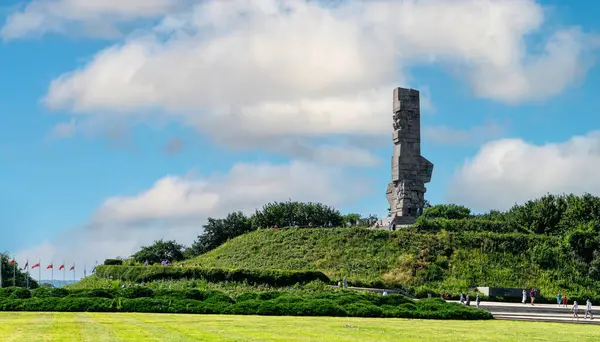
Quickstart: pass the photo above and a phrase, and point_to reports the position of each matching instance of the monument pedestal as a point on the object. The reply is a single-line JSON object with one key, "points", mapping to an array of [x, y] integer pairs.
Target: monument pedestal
{"points": [[399, 221]]}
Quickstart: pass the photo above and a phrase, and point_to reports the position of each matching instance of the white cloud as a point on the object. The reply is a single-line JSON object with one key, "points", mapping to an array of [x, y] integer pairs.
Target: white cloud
{"points": [[274, 68], [175, 207], [509, 171], [97, 18]]}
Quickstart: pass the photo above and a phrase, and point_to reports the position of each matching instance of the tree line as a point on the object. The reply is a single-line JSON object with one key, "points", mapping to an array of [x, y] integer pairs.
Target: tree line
{"points": [[575, 217], [217, 231]]}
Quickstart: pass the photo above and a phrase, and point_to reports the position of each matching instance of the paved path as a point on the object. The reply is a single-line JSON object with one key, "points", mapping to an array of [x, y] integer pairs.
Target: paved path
{"points": [[537, 312]]}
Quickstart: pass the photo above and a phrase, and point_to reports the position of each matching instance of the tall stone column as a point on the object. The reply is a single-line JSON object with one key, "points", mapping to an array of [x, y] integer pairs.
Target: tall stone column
{"points": [[410, 170]]}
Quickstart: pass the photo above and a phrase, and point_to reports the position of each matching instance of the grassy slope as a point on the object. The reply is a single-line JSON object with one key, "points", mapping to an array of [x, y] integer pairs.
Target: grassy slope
{"points": [[438, 262], [30, 326]]}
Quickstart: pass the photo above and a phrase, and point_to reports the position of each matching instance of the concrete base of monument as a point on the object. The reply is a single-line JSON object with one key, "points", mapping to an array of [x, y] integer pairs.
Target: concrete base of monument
{"points": [[399, 221]]}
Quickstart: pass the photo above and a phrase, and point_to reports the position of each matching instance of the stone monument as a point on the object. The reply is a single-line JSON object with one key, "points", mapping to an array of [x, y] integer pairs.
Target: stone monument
{"points": [[410, 170]]}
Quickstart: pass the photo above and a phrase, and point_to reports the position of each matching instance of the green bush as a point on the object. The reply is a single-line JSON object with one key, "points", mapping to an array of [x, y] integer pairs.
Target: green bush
{"points": [[94, 293], [14, 292], [45, 292], [328, 303], [140, 274], [136, 292], [113, 262]]}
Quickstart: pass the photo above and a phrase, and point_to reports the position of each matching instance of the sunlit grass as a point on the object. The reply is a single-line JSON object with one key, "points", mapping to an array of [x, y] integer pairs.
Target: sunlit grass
{"points": [[30, 326]]}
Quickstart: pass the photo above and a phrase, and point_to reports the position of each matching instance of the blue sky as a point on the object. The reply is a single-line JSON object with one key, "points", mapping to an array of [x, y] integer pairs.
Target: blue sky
{"points": [[125, 123]]}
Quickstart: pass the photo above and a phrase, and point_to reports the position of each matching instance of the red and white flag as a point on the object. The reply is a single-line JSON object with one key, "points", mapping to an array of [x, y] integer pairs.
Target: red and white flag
{"points": [[36, 265], [49, 267], [12, 262], [72, 268], [61, 267], [26, 265]]}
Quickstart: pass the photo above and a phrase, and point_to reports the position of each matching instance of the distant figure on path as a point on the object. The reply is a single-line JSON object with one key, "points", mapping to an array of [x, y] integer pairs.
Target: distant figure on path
{"points": [[468, 303], [532, 295], [565, 300], [385, 293], [575, 309], [477, 300], [345, 282], [559, 299], [462, 298], [588, 309], [524, 299]]}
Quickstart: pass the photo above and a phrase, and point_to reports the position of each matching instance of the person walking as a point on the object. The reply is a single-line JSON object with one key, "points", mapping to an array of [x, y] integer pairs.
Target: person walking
{"points": [[565, 300], [462, 298], [477, 300], [575, 309], [532, 295], [588, 309], [468, 303], [559, 299], [524, 299]]}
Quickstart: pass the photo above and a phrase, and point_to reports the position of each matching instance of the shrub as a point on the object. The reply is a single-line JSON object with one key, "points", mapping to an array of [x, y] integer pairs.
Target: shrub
{"points": [[136, 292], [327, 303], [113, 262], [47, 292], [140, 274], [94, 293]]}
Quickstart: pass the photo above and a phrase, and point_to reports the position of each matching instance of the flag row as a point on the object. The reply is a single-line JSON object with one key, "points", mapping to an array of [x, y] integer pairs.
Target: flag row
{"points": [[49, 266]]}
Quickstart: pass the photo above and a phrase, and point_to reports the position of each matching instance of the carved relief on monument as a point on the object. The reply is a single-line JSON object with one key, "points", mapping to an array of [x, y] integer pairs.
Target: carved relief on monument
{"points": [[410, 171]]}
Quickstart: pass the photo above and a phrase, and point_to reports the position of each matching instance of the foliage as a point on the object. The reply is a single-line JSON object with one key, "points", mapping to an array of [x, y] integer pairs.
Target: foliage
{"points": [[113, 262], [351, 219], [297, 214], [329, 303], [13, 274], [159, 251], [251, 276], [217, 231], [447, 211], [426, 262]]}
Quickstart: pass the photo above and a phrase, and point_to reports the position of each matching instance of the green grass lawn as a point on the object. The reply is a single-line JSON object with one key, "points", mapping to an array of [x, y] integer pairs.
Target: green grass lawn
{"points": [[30, 326]]}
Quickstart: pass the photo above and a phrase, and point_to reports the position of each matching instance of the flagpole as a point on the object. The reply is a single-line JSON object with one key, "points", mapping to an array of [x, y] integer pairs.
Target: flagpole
{"points": [[84, 269], [14, 271], [39, 272], [52, 273], [74, 271], [27, 274], [64, 272]]}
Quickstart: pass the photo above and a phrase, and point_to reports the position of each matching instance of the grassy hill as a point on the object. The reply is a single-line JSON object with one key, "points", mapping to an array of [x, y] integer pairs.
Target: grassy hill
{"points": [[419, 261]]}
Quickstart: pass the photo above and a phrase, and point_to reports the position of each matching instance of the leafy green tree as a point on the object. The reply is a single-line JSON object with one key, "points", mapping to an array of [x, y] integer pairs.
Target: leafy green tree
{"points": [[448, 211], [218, 231], [290, 214], [351, 219], [14, 272], [368, 221], [160, 250]]}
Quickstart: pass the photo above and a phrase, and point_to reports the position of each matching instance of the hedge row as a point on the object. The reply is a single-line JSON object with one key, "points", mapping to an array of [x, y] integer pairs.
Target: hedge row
{"points": [[140, 274], [274, 303]]}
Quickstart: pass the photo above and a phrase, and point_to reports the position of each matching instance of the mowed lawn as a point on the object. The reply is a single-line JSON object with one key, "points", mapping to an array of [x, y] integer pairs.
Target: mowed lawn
{"points": [[28, 326]]}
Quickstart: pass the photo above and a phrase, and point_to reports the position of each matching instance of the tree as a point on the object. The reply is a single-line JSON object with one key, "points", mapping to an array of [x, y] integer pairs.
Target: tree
{"points": [[448, 211], [290, 214], [351, 219], [14, 272], [159, 251], [368, 221], [218, 231]]}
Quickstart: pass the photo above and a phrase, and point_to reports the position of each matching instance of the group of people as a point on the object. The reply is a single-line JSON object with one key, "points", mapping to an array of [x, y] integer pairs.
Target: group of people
{"points": [[466, 300], [562, 301], [531, 296], [588, 310]]}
